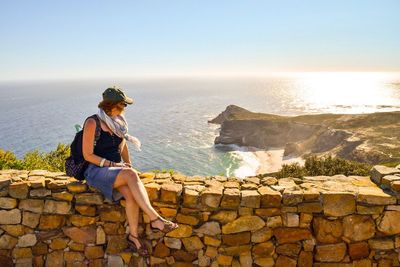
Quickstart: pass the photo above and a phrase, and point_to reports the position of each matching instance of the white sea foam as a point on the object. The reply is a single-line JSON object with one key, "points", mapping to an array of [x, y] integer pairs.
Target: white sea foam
{"points": [[249, 166], [248, 161], [253, 161]]}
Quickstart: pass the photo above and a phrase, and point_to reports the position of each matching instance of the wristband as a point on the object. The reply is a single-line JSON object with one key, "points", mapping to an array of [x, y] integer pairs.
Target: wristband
{"points": [[102, 162]]}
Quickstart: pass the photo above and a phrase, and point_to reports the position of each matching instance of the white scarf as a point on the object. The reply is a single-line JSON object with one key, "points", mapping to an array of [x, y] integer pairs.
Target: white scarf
{"points": [[119, 126]]}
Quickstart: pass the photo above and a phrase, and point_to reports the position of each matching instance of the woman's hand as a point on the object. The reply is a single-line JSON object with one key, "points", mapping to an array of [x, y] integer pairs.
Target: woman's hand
{"points": [[118, 164], [127, 164]]}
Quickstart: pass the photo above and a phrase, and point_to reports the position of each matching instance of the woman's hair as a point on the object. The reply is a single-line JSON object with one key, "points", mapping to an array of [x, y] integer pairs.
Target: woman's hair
{"points": [[107, 106]]}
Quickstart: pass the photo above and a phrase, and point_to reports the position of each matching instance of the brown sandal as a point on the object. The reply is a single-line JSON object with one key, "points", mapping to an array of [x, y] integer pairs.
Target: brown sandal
{"points": [[142, 251], [168, 225]]}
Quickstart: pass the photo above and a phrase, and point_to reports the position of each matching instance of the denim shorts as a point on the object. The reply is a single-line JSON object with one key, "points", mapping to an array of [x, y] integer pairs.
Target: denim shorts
{"points": [[103, 178]]}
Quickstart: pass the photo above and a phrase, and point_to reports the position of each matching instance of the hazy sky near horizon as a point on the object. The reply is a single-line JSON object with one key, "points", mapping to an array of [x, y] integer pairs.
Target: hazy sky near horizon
{"points": [[78, 39]]}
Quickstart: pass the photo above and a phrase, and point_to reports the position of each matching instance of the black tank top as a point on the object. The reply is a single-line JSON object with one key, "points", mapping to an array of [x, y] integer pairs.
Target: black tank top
{"points": [[108, 146]]}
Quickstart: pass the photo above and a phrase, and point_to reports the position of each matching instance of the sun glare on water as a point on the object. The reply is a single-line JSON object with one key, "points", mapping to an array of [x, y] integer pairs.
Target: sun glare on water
{"points": [[351, 92]]}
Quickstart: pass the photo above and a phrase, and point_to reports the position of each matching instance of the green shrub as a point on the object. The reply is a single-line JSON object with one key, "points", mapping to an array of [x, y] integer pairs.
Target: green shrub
{"points": [[8, 160], [52, 161], [328, 165], [56, 159], [291, 170]]}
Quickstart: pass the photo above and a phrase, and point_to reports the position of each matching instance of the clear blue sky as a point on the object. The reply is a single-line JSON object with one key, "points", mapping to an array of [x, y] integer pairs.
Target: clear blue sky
{"points": [[67, 39]]}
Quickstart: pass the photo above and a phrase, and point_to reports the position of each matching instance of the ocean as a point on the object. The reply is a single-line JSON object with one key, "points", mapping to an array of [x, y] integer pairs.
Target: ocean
{"points": [[170, 115]]}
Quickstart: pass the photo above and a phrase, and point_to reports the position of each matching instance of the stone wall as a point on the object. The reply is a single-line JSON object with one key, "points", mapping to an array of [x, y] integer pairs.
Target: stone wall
{"points": [[49, 219]]}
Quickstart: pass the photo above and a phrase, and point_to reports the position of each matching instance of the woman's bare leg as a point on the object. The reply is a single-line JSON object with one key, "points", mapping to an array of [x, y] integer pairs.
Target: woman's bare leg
{"points": [[129, 177], [131, 208], [132, 212]]}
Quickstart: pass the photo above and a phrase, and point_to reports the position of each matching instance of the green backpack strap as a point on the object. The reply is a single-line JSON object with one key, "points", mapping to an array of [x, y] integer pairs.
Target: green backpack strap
{"points": [[77, 126]]}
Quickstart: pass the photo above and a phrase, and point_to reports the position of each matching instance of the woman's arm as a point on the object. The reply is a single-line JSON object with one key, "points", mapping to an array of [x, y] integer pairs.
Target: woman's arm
{"points": [[87, 144], [125, 153]]}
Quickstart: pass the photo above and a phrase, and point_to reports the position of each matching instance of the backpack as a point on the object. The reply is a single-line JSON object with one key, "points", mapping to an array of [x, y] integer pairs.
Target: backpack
{"points": [[75, 164]]}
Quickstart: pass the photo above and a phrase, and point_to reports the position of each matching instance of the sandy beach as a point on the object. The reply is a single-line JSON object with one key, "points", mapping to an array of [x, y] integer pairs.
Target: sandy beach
{"points": [[272, 160]]}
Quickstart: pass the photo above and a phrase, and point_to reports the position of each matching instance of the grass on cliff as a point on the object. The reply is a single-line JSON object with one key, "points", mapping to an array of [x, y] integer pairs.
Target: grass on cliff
{"points": [[328, 166]]}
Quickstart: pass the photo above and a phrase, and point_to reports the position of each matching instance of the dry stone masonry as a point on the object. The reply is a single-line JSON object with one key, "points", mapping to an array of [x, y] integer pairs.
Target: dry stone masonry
{"points": [[50, 219]]}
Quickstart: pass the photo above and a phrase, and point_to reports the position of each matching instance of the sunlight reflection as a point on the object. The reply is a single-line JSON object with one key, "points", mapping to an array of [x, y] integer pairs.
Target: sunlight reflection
{"points": [[345, 92]]}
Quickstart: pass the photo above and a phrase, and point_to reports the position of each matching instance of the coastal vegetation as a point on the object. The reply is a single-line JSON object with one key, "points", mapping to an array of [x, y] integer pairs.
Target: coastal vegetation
{"points": [[35, 159], [327, 165]]}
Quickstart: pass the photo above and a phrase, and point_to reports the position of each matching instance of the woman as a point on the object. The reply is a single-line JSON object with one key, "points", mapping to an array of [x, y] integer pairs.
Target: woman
{"points": [[109, 174]]}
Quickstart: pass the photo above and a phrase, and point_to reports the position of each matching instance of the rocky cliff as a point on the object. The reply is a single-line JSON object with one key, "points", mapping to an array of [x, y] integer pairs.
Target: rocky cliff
{"points": [[371, 138], [50, 219]]}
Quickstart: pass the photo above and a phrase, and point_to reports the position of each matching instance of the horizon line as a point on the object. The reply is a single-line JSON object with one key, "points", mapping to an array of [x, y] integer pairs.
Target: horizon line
{"points": [[201, 75]]}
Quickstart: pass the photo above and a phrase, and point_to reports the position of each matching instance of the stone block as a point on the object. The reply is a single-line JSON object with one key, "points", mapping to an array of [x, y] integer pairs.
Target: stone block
{"points": [[18, 190], [327, 231], [171, 192], [381, 243], [291, 235], [49, 222], [292, 197], [243, 224], [224, 216], [284, 261], [34, 205], [79, 220], [331, 252], [174, 243], [379, 171], [40, 192], [27, 240], [374, 196], [192, 243], [338, 204], [358, 250], [236, 239], [358, 227], [89, 199], [209, 228], [266, 249], [231, 198], [57, 207], [191, 198], [10, 216], [94, 252], [311, 207], [182, 231], [291, 250], [211, 197], [8, 203], [77, 187], [389, 223], [250, 198], [269, 197], [83, 235], [262, 235]]}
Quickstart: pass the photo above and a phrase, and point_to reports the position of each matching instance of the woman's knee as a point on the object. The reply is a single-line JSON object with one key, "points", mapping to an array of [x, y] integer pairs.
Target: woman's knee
{"points": [[131, 174]]}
